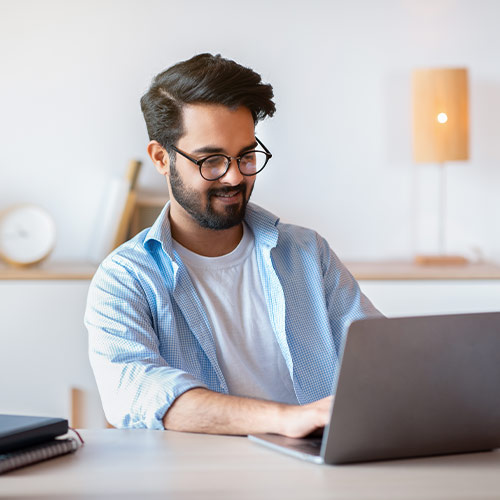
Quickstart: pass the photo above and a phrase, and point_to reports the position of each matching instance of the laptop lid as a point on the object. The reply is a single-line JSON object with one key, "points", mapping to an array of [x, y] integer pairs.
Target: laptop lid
{"points": [[19, 431], [417, 386]]}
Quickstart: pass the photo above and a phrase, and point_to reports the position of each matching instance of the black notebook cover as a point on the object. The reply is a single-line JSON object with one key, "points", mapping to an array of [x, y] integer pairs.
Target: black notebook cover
{"points": [[19, 431]]}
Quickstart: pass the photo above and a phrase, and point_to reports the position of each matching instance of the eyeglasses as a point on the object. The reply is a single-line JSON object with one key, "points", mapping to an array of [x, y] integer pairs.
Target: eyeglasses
{"points": [[215, 166]]}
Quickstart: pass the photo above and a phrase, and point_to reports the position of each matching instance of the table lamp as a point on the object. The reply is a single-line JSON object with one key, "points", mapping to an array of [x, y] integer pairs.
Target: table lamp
{"points": [[440, 135]]}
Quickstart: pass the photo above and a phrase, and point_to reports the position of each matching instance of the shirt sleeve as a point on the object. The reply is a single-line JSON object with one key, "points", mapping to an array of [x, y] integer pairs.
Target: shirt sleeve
{"points": [[135, 383], [345, 300]]}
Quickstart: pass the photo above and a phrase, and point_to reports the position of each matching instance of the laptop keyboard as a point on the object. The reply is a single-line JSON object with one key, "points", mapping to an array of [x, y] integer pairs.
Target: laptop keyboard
{"points": [[310, 446]]}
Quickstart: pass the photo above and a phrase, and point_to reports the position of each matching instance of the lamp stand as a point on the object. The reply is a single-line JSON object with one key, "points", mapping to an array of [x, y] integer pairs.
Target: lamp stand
{"points": [[442, 258]]}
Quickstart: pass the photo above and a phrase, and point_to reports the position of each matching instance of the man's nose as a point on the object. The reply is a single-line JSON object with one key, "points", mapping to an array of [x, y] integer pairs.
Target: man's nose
{"points": [[233, 175]]}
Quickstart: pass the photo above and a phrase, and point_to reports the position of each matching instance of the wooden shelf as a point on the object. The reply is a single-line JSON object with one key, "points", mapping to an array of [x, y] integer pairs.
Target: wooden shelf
{"points": [[381, 270], [147, 208], [407, 270], [151, 199], [49, 271]]}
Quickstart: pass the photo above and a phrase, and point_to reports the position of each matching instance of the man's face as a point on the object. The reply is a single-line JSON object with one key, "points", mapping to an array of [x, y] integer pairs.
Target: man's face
{"points": [[210, 129]]}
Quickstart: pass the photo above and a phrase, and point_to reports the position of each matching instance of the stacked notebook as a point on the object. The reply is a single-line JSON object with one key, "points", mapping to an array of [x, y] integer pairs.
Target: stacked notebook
{"points": [[27, 440]]}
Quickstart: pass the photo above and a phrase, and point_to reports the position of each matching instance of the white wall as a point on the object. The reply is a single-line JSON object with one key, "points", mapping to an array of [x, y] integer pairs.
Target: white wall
{"points": [[72, 73]]}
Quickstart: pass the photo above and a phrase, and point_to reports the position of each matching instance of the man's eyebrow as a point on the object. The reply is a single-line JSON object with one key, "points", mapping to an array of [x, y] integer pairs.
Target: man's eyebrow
{"points": [[215, 149]]}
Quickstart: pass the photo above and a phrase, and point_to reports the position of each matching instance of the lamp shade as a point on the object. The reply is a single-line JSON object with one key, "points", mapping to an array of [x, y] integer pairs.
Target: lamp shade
{"points": [[440, 115]]}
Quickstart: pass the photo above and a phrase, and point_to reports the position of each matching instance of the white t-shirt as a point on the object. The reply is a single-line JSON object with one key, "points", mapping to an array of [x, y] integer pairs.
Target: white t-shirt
{"points": [[248, 353]]}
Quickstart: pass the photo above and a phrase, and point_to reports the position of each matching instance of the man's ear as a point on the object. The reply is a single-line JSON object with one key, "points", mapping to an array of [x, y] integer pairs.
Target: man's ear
{"points": [[159, 156]]}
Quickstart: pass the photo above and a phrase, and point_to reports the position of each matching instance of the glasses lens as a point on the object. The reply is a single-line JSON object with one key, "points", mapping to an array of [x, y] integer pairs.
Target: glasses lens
{"points": [[213, 167], [252, 162]]}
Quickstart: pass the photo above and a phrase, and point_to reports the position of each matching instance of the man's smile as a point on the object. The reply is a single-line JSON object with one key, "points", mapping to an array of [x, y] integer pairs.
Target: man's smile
{"points": [[228, 195], [232, 197]]}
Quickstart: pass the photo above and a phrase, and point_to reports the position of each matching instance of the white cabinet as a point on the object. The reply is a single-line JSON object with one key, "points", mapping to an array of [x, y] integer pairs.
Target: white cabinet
{"points": [[424, 297], [43, 351], [43, 347], [405, 289]]}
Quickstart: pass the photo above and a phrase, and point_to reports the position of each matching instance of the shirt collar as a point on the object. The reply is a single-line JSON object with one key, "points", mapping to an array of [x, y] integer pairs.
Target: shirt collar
{"points": [[160, 231], [263, 225]]}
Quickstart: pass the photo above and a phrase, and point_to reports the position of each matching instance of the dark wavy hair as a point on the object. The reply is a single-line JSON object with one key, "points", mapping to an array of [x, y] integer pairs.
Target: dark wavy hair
{"points": [[204, 78]]}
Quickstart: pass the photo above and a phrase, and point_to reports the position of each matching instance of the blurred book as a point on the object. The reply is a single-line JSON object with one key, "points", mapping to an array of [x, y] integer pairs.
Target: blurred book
{"points": [[26, 440], [114, 222]]}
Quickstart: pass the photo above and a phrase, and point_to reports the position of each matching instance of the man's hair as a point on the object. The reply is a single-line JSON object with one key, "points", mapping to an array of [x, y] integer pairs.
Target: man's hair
{"points": [[204, 78]]}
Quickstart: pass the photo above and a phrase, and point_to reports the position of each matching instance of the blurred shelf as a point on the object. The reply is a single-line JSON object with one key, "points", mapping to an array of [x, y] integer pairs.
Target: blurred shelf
{"points": [[147, 208], [407, 270], [151, 199], [49, 271], [376, 270]]}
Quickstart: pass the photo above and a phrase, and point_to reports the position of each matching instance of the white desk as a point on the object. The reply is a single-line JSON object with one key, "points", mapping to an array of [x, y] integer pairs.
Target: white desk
{"points": [[146, 465]]}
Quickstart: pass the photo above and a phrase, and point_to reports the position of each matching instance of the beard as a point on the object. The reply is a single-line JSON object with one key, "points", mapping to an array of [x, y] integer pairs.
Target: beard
{"points": [[206, 216]]}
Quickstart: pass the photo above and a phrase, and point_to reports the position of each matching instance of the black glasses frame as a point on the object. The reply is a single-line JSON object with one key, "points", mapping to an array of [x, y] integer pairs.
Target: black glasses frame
{"points": [[200, 162]]}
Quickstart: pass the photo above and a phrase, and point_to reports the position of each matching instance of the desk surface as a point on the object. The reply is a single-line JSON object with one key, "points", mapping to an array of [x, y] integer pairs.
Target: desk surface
{"points": [[147, 465]]}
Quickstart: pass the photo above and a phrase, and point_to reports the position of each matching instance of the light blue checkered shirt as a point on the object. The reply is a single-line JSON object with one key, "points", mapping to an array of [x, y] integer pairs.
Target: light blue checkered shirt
{"points": [[150, 339]]}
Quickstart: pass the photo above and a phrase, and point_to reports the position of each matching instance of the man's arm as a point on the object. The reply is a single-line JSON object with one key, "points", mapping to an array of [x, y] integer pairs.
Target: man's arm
{"points": [[202, 410], [344, 299]]}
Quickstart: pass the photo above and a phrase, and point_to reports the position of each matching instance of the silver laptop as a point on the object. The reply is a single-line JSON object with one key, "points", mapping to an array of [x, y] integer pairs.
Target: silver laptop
{"points": [[410, 387]]}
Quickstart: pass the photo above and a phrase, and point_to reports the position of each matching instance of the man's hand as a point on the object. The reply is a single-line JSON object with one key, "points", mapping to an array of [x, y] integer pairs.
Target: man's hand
{"points": [[201, 410], [299, 421]]}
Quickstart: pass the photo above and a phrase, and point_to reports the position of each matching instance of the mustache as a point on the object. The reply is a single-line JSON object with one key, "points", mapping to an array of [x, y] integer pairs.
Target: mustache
{"points": [[240, 188]]}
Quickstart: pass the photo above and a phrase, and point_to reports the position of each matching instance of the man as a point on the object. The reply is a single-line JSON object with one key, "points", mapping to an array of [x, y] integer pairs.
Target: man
{"points": [[219, 318]]}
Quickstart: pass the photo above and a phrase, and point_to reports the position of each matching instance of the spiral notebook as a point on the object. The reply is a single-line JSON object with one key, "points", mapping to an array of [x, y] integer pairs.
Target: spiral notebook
{"points": [[26, 440]]}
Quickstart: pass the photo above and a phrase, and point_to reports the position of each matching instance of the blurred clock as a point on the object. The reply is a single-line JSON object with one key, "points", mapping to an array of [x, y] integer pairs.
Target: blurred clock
{"points": [[27, 235]]}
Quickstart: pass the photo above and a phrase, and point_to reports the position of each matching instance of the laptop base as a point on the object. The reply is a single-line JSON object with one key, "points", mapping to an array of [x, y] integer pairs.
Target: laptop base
{"points": [[306, 449]]}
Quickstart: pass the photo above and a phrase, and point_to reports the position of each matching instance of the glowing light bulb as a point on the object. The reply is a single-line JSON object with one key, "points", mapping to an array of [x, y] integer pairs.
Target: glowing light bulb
{"points": [[442, 118]]}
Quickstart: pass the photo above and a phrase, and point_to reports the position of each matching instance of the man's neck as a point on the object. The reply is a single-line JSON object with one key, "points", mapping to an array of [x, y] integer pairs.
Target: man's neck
{"points": [[203, 241]]}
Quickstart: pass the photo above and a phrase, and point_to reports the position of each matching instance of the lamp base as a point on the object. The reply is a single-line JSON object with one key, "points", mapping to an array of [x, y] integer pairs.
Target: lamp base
{"points": [[440, 260]]}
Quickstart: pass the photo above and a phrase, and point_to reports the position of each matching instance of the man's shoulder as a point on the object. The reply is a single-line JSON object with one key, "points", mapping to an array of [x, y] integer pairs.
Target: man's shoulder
{"points": [[299, 244], [259, 215], [132, 250], [297, 233], [287, 235], [135, 257]]}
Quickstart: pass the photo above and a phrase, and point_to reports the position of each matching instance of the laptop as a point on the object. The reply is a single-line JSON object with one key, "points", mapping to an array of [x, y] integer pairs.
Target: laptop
{"points": [[410, 387], [20, 431]]}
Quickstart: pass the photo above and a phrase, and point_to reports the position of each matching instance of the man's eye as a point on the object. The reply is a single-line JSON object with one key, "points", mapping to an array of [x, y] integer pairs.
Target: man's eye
{"points": [[214, 161], [248, 158]]}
